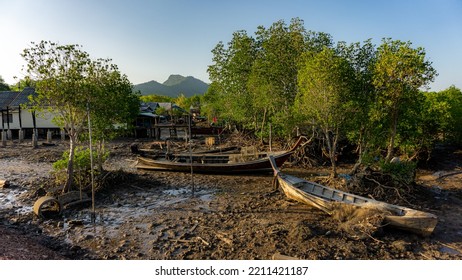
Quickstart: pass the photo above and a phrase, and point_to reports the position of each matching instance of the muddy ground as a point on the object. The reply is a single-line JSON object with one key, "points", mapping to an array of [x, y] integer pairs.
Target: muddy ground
{"points": [[157, 215]]}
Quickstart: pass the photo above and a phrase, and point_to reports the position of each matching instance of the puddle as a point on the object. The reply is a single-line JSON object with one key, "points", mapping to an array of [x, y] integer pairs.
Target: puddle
{"points": [[176, 192], [201, 194], [18, 172], [138, 207], [450, 251], [113, 220], [8, 201]]}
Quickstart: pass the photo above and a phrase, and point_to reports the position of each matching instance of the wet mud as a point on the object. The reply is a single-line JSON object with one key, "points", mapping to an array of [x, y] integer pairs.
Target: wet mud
{"points": [[170, 215]]}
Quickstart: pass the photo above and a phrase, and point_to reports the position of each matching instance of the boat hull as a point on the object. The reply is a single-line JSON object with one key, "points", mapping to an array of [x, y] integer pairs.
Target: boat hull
{"points": [[219, 163], [260, 165], [325, 198]]}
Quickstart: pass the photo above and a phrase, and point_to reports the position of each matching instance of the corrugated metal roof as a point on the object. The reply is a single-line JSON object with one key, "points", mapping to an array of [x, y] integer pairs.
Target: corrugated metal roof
{"points": [[15, 98], [6, 97]]}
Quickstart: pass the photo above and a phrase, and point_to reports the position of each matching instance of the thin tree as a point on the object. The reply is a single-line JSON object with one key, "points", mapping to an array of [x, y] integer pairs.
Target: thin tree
{"points": [[60, 73], [325, 80], [399, 72], [111, 102], [70, 85]]}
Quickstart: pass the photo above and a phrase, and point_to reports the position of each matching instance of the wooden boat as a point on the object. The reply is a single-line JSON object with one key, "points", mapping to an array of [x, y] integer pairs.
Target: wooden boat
{"points": [[325, 199], [218, 163], [153, 153]]}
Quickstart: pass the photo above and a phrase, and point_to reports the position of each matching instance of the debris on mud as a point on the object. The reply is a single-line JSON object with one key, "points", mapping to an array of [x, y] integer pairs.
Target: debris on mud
{"points": [[156, 215], [357, 222]]}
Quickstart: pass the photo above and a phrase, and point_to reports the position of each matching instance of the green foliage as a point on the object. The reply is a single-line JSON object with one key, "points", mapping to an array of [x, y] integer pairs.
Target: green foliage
{"points": [[156, 98], [71, 85], [446, 107], [230, 74], [401, 171], [178, 112], [399, 72], [3, 86], [255, 79], [111, 102], [357, 126], [82, 166], [82, 160], [325, 82], [183, 102], [289, 77], [161, 111], [211, 102]]}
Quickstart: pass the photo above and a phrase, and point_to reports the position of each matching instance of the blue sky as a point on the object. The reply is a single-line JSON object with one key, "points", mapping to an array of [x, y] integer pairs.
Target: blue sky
{"points": [[149, 40]]}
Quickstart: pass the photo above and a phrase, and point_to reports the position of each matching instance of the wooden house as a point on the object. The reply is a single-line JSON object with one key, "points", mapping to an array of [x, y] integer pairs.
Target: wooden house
{"points": [[16, 117]]}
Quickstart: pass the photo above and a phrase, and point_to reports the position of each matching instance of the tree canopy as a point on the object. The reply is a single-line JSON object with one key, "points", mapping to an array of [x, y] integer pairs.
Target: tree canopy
{"points": [[325, 81], [72, 86], [370, 96], [399, 72], [3, 86]]}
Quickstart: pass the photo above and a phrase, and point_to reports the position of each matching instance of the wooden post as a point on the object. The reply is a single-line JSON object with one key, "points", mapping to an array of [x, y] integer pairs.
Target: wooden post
{"points": [[63, 134], [21, 135], [49, 136], [35, 132], [20, 119], [3, 138], [35, 138], [3, 120], [8, 117]]}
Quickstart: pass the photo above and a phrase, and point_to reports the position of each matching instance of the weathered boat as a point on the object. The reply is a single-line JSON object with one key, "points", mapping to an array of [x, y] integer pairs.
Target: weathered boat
{"points": [[326, 199], [153, 153], [218, 163]]}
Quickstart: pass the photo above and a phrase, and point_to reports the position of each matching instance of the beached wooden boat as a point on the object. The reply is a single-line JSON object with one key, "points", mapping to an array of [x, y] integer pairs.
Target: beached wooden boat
{"points": [[326, 199], [217, 163], [153, 153]]}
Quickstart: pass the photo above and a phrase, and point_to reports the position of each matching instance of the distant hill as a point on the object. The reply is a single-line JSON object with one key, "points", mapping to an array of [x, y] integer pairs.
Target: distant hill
{"points": [[174, 86]]}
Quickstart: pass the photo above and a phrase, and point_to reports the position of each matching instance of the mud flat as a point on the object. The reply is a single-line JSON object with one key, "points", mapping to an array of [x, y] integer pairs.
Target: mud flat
{"points": [[156, 215]]}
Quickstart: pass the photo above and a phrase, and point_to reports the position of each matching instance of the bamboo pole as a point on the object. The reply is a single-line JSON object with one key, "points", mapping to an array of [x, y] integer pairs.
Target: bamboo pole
{"points": [[190, 155], [93, 213]]}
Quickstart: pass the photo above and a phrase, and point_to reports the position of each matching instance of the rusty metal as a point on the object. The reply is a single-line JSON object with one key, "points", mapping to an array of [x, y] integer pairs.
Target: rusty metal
{"points": [[47, 207]]}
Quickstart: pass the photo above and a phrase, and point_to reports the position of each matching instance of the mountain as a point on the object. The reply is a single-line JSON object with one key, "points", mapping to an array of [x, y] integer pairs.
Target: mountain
{"points": [[174, 86], [152, 87]]}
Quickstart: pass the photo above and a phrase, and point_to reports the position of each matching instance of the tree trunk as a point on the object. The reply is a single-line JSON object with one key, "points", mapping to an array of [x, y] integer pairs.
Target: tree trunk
{"points": [[361, 151], [391, 144], [70, 163], [263, 125], [358, 163], [100, 155], [332, 147]]}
